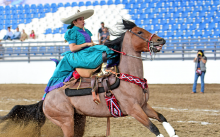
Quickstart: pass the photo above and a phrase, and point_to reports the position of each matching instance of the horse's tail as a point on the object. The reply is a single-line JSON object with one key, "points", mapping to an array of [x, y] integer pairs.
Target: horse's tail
{"points": [[24, 114]]}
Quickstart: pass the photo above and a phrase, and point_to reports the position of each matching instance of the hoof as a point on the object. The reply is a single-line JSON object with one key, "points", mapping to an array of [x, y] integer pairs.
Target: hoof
{"points": [[160, 135]]}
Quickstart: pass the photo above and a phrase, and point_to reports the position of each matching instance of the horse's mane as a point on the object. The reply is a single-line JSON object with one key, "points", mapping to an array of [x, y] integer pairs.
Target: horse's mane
{"points": [[121, 29]]}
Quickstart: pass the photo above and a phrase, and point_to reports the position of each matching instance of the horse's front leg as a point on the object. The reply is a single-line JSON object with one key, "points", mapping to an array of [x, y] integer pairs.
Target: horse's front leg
{"points": [[138, 113], [150, 112]]}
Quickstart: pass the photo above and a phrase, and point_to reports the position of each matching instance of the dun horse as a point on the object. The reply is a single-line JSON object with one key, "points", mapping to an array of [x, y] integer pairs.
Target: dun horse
{"points": [[69, 113]]}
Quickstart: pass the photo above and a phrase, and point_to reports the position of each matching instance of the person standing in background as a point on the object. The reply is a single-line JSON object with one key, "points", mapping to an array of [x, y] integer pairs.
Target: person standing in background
{"points": [[200, 67], [23, 35], [101, 30], [32, 35], [17, 34], [104, 36], [9, 34]]}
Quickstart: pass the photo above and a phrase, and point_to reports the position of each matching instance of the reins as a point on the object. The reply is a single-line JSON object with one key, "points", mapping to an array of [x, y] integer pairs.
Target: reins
{"points": [[123, 53]]}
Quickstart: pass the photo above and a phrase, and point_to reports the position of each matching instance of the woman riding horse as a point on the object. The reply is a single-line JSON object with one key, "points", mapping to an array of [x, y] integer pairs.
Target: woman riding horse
{"points": [[69, 113], [83, 52]]}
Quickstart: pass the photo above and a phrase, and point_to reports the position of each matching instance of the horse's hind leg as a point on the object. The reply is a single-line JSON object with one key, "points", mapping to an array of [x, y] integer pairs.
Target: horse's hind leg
{"points": [[59, 111], [138, 113], [153, 114], [79, 125]]}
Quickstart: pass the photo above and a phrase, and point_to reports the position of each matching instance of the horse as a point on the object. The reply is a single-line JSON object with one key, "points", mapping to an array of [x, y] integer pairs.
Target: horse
{"points": [[69, 113]]}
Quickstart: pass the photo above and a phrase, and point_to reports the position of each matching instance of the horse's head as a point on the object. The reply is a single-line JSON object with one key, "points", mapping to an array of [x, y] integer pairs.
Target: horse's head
{"points": [[143, 40]]}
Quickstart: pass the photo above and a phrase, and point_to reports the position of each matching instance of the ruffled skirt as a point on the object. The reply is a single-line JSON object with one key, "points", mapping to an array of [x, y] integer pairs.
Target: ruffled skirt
{"points": [[90, 58]]}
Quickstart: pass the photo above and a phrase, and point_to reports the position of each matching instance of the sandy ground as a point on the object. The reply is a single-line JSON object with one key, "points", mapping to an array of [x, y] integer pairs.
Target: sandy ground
{"points": [[191, 115]]}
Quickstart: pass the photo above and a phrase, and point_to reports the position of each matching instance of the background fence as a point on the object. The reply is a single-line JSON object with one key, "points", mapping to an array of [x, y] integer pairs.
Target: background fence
{"points": [[174, 49]]}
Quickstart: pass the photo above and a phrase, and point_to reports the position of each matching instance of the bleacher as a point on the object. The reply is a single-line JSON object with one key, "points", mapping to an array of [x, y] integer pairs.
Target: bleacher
{"points": [[185, 24]]}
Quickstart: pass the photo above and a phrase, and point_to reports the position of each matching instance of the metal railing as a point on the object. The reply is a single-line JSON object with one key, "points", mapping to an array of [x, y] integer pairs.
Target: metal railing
{"points": [[44, 50]]}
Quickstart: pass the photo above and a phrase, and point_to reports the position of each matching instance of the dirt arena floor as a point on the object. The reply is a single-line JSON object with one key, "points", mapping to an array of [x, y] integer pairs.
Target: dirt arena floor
{"points": [[191, 115]]}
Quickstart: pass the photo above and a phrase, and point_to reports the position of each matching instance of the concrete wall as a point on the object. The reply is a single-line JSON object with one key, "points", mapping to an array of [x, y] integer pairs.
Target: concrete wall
{"points": [[156, 72]]}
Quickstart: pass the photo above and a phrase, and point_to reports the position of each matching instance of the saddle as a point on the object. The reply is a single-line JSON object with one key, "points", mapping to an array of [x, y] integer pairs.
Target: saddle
{"points": [[92, 82]]}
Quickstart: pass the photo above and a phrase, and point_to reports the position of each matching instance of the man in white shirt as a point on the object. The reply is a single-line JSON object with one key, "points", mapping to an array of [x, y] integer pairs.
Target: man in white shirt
{"points": [[9, 34], [17, 34]]}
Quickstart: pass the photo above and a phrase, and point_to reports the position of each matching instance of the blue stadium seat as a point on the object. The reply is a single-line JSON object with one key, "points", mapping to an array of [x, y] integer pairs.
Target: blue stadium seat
{"points": [[211, 26], [9, 51], [124, 1], [51, 50], [48, 31], [14, 11], [40, 6], [73, 4], [53, 5], [95, 3], [33, 6], [7, 7], [54, 10], [1, 8], [21, 16], [20, 7], [1, 27], [67, 4], [81, 4], [55, 31], [14, 26], [27, 11], [202, 25], [42, 50], [143, 5], [14, 8], [156, 27], [47, 6], [33, 11], [110, 2], [216, 2], [88, 3], [35, 15], [42, 15], [136, 5], [165, 27], [40, 9], [34, 50], [60, 5], [160, 34], [63, 31], [174, 27], [117, 2], [26, 6], [102, 2]]}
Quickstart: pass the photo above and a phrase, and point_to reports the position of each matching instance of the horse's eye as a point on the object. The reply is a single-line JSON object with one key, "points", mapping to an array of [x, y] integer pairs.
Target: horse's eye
{"points": [[139, 32]]}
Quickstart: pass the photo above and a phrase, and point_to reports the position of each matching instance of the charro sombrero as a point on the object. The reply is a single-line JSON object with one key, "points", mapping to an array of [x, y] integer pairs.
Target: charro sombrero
{"points": [[86, 14]]}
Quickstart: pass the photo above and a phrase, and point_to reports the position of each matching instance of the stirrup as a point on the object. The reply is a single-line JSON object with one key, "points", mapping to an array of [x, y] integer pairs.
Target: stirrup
{"points": [[103, 72]]}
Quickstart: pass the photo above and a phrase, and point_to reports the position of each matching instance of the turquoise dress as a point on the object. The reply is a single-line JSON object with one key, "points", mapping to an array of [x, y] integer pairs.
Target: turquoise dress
{"points": [[88, 57]]}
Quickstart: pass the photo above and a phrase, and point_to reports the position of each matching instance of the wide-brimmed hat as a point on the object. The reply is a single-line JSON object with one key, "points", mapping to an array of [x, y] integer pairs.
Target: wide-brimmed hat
{"points": [[86, 14]]}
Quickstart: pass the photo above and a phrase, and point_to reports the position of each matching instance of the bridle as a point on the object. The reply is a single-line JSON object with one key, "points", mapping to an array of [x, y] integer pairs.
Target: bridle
{"points": [[150, 46]]}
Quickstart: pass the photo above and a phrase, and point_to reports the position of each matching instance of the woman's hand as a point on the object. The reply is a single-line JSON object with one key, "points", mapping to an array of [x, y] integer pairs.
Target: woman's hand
{"points": [[90, 44]]}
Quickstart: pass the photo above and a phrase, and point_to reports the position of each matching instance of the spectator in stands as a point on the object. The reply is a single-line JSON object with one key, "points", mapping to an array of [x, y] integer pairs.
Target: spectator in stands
{"points": [[17, 34], [200, 67], [23, 35], [104, 36], [32, 35], [9, 34], [101, 29], [83, 52]]}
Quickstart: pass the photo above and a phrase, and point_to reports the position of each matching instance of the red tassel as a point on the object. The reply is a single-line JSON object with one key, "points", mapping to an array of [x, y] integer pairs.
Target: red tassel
{"points": [[76, 75]]}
